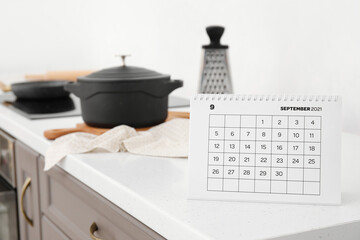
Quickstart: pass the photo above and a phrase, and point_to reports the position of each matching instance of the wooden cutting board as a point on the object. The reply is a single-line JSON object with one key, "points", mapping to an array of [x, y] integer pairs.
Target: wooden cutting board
{"points": [[52, 134], [58, 75]]}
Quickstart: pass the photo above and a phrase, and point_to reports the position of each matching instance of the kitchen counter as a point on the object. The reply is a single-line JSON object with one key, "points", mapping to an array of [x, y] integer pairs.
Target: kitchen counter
{"points": [[154, 190]]}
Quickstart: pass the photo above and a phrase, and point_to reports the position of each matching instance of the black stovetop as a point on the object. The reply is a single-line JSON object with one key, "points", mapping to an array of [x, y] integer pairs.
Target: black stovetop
{"points": [[57, 108], [40, 109]]}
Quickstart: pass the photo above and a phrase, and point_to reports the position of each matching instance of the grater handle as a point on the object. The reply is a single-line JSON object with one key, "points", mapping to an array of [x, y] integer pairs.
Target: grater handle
{"points": [[215, 33]]}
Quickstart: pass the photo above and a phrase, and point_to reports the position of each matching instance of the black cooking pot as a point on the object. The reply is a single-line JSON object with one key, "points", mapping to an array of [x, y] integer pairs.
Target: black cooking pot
{"points": [[127, 95]]}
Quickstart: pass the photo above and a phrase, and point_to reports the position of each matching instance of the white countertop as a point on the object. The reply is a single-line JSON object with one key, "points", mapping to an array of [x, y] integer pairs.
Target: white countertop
{"points": [[154, 190]]}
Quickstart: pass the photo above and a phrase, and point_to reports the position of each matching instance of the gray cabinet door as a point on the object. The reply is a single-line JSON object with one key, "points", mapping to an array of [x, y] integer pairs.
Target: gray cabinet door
{"points": [[27, 185], [50, 231], [74, 207]]}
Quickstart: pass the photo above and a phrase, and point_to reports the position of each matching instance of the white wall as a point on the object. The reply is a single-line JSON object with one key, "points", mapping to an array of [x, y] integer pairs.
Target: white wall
{"points": [[276, 46]]}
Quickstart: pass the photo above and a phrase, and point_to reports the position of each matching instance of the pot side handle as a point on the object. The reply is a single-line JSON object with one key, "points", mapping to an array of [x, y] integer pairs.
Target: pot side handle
{"points": [[74, 88], [172, 85]]}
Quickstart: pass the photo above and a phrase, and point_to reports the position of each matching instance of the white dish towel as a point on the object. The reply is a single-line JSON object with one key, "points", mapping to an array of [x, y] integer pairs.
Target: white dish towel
{"points": [[169, 139]]}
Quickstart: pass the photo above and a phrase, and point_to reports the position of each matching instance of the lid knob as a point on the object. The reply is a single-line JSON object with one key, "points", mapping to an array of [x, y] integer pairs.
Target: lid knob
{"points": [[123, 56], [215, 33]]}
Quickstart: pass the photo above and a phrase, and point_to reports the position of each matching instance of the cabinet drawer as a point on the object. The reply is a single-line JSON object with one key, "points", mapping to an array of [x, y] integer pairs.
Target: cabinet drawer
{"points": [[74, 207], [50, 231]]}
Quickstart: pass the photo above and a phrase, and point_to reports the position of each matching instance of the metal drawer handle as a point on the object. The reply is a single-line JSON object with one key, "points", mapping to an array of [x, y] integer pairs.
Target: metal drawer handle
{"points": [[93, 229], [23, 190]]}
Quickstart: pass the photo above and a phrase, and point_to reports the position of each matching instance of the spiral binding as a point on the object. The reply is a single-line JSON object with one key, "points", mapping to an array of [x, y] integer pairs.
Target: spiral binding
{"points": [[265, 98]]}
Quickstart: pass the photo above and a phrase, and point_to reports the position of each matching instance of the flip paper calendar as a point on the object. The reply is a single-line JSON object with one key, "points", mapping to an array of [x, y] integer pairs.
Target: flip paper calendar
{"points": [[265, 148]]}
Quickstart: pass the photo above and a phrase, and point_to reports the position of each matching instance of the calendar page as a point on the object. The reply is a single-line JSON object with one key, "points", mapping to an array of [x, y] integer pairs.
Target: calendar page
{"points": [[265, 148]]}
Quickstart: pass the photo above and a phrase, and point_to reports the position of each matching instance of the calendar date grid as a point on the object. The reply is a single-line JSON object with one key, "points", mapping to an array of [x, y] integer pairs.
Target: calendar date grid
{"points": [[278, 154]]}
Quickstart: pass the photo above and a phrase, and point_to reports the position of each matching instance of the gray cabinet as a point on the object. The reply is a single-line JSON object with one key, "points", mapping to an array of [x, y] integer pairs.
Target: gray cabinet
{"points": [[55, 205], [78, 210], [28, 192]]}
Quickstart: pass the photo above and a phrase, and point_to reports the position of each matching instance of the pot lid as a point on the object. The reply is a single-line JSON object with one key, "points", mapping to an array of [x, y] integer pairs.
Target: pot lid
{"points": [[124, 73]]}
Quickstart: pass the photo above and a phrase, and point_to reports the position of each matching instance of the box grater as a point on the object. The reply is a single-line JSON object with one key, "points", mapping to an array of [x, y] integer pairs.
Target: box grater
{"points": [[215, 74]]}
